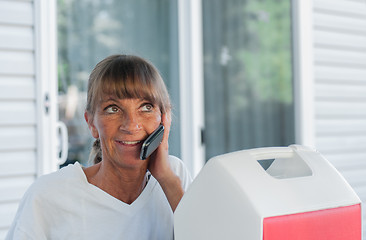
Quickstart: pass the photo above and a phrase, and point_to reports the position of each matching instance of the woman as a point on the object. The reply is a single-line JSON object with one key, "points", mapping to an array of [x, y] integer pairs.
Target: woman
{"points": [[120, 196]]}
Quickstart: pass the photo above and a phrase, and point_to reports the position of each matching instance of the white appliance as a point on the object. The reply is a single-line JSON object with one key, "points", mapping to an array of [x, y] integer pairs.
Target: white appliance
{"points": [[280, 193]]}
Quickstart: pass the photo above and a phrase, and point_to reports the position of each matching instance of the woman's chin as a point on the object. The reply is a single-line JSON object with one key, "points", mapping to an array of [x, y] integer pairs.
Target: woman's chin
{"points": [[131, 158]]}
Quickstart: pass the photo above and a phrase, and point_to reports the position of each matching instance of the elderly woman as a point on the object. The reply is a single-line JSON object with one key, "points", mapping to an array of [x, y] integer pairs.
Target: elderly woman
{"points": [[120, 196]]}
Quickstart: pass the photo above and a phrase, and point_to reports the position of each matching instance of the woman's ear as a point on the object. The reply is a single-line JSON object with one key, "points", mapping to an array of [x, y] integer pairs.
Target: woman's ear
{"points": [[91, 125]]}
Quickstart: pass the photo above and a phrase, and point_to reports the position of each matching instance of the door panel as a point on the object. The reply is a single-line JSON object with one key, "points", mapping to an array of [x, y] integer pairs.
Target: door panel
{"points": [[248, 75]]}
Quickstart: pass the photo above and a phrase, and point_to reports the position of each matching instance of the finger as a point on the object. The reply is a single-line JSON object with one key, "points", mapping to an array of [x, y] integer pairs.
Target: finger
{"points": [[166, 120]]}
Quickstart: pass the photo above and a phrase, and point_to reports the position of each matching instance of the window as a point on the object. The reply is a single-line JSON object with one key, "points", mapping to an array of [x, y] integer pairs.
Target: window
{"points": [[247, 75], [88, 31]]}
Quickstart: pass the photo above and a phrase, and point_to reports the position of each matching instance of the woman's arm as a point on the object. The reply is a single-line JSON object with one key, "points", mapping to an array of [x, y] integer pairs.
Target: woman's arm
{"points": [[173, 190]]}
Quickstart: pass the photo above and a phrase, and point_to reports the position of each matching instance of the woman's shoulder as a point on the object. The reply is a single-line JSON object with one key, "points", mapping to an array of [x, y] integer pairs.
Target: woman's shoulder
{"points": [[68, 173], [177, 164], [44, 199], [180, 169], [175, 160], [52, 182]]}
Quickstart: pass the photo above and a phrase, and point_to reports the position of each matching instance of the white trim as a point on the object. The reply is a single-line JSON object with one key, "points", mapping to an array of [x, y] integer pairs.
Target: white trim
{"points": [[191, 83], [303, 72], [46, 82]]}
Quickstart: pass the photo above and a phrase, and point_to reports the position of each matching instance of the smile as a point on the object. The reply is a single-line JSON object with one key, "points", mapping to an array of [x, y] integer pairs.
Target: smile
{"points": [[129, 143]]}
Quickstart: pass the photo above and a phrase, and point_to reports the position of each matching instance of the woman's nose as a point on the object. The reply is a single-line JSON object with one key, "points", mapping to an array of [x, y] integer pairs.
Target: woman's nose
{"points": [[130, 123]]}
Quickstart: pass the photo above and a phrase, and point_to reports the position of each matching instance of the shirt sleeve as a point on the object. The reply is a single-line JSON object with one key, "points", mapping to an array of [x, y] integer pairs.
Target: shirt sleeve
{"points": [[15, 233], [24, 220]]}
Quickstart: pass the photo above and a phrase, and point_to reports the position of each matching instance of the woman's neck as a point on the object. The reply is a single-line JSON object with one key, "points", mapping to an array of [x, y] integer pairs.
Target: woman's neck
{"points": [[123, 184]]}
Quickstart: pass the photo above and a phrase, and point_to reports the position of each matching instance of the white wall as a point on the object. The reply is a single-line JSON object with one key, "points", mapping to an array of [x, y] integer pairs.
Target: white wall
{"points": [[339, 30], [17, 106], [27, 74]]}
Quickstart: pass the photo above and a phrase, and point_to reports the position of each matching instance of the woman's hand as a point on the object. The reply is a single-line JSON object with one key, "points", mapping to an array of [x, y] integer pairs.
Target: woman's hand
{"points": [[159, 167], [158, 161]]}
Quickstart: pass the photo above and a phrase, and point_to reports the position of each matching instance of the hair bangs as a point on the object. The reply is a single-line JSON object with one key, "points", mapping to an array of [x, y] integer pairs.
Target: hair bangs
{"points": [[127, 77], [128, 88]]}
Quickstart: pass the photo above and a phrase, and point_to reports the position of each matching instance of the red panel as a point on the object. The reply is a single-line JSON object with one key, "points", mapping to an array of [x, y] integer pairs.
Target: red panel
{"points": [[343, 223]]}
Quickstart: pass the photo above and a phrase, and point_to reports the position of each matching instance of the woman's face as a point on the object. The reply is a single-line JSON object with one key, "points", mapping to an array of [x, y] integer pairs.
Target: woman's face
{"points": [[122, 125]]}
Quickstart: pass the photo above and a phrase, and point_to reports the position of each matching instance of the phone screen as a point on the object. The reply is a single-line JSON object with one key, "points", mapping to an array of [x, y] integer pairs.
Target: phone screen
{"points": [[152, 142]]}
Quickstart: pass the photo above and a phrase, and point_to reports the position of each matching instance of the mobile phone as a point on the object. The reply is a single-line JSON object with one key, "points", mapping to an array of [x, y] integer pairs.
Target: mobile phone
{"points": [[152, 142]]}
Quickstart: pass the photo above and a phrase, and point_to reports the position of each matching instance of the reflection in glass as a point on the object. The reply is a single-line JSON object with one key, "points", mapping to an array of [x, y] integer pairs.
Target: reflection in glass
{"points": [[248, 74]]}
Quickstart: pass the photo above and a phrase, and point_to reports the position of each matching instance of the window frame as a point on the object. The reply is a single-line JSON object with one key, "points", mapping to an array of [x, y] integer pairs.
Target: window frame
{"points": [[191, 83], [302, 24]]}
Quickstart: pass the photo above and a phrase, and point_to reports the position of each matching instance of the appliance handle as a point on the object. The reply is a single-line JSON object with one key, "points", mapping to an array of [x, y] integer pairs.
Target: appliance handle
{"points": [[63, 142]]}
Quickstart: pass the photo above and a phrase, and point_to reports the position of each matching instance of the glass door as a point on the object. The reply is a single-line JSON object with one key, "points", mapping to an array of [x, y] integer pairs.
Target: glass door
{"points": [[247, 75]]}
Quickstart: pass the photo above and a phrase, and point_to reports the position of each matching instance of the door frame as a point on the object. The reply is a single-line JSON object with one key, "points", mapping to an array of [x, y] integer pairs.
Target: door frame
{"points": [[45, 19]]}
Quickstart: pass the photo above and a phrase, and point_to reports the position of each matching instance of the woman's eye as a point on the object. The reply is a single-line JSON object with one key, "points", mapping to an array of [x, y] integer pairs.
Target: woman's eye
{"points": [[147, 107], [111, 109]]}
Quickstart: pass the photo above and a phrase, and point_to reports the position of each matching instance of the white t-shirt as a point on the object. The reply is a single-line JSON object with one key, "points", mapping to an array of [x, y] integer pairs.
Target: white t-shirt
{"points": [[63, 205]]}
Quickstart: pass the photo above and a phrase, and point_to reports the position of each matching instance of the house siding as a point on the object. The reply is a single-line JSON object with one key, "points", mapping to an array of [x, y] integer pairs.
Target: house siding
{"points": [[18, 123], [339, 28]]}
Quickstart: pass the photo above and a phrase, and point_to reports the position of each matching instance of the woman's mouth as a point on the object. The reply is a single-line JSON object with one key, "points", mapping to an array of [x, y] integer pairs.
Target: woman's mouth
{"points": [[129, 143]]}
